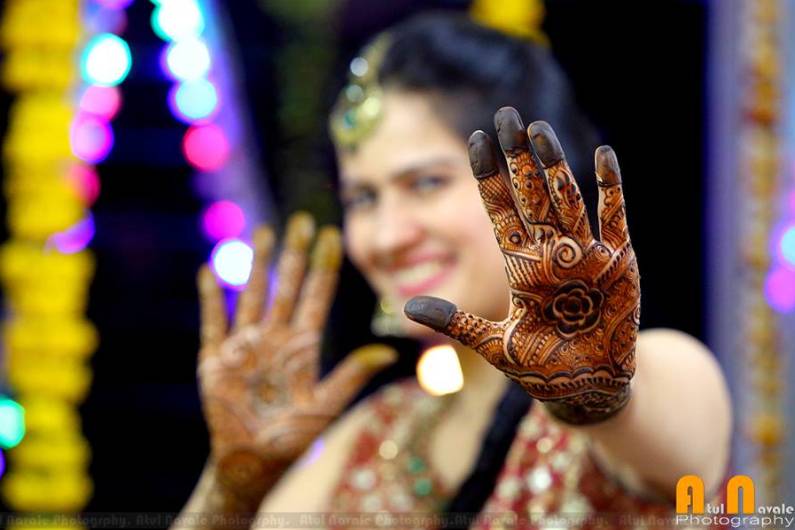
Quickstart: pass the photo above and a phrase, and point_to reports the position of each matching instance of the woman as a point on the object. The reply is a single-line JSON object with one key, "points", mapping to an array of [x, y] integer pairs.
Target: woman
{"points": [[618, 417]]}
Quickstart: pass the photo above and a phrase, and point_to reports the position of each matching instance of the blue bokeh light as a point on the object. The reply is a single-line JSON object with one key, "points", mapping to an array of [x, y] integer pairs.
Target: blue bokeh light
{"points": [[178, 20], [195, 100], [106, 60], [787, 246], [188, 60]]}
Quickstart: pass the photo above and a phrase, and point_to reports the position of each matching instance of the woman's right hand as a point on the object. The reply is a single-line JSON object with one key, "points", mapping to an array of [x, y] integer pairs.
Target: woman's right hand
{"points": [[258, 381]]}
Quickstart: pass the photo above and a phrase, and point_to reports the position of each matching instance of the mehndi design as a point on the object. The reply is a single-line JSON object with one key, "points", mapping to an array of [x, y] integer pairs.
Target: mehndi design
{"points": [[263, 403], [569, 338]]}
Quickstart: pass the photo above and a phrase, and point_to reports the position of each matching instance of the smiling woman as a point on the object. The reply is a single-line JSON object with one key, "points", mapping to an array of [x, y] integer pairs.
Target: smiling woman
{"points": [[552, 304], [414, 222]]}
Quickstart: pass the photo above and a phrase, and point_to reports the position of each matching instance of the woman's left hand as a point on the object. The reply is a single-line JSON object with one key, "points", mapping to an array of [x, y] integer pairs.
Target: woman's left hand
{"points": [[569, 338]]}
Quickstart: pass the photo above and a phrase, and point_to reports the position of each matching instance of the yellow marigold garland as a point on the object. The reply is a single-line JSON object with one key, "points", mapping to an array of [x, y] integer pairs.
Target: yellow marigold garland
{"points": [[761, 58], [46, 337]]}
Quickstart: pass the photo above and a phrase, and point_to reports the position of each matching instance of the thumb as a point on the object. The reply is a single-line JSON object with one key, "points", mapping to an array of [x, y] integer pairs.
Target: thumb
{"points": [[351, 375], [444, 317]]}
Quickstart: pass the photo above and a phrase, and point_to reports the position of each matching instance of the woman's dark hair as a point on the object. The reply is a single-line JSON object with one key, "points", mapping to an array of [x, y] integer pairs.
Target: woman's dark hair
{"points": [[472, 71]]}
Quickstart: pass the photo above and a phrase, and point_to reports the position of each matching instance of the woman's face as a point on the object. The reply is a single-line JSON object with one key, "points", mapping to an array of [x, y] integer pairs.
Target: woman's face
{"points": [[414, 220]]}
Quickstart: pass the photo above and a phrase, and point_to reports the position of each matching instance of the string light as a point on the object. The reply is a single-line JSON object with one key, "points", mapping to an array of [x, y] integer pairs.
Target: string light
{"points": [[206, 147], [178, 20], [194, 101], [106, 60], [787, 246], [222, 220], [780, 289], [12, 423], [188, 60], [231, 261], [101, 101], [91, 138]]}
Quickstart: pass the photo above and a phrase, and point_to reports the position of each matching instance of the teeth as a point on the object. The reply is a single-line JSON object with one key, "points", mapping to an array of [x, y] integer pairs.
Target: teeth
{"points": [[418, 273]]}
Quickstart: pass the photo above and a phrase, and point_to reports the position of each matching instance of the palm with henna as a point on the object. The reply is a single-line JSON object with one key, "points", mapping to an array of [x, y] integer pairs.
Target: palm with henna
{"points": [[259, 388], [569, 338]]}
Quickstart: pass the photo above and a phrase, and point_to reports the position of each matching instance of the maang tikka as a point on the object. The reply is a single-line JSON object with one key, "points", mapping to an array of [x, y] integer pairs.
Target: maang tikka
{"points": [[359, 106]]}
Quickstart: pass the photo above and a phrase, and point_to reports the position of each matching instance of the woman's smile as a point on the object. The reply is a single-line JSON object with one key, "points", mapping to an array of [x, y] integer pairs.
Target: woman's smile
{"points": [[421, 275]]}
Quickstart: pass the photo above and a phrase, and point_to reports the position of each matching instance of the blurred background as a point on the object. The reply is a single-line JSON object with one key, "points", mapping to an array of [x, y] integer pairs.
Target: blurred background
{"points": [[189, 122]]}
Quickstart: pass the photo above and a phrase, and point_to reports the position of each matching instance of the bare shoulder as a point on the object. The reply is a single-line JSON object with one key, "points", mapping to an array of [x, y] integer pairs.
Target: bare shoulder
{"points": [[676, 343]]}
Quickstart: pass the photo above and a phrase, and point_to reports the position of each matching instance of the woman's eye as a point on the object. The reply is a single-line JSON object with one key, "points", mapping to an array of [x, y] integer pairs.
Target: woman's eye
{"points": [[358, 200], [428, 184]]}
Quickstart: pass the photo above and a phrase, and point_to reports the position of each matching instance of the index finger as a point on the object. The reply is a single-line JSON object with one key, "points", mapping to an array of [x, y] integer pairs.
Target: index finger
{"points": [[508, 228], [212, 309]]}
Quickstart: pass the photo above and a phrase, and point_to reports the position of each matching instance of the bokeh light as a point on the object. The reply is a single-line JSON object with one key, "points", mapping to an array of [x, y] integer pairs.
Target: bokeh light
{"points": [[231, 261], [206, 147], [100, 19], [194, 100], [114, 4], [103, 101], [780, 289], [106, 60], [439, 372], [178, 20], [85, 181], [91, 138], [187, 59], [223, 219], [786, 246], [75, 238], [2, 463], [12, 423]]}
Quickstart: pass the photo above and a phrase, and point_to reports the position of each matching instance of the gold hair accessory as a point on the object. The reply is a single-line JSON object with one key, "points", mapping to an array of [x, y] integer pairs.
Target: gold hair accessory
{"points": [[519, 18], [359, 105]]}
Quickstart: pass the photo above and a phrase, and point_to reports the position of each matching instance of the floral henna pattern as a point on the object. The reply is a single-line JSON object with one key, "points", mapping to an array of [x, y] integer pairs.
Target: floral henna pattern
{"points": [[575, 308], [569, 338]]}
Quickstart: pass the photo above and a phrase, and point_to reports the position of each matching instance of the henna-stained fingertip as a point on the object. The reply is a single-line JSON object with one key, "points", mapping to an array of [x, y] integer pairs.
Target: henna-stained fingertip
{"points": [[481, 155], [607, 171], [430, 311], [546, 143]]}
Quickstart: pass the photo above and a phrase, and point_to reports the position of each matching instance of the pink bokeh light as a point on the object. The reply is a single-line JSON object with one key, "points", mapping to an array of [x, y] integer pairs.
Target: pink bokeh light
{"points": [[114, 4], [75, 238], [101, 101], [85, 181], [206, 147], [223, 219], [91, 138], [780, 289]]}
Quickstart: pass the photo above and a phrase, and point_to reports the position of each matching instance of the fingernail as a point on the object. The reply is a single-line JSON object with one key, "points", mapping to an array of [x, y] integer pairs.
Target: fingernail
{"points": [[607, 170], [510, 130], [481, 155], [328, 249], [300, 229], [375, 355], [430, 311], [546, 143]]}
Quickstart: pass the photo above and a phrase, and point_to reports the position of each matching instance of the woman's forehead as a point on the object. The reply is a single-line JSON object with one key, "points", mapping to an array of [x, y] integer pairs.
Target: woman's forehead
{"points": [[409, 135]]}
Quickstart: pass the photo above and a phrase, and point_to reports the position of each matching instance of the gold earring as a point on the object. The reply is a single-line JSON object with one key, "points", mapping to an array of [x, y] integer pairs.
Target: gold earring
{"points": [[386, 322]]}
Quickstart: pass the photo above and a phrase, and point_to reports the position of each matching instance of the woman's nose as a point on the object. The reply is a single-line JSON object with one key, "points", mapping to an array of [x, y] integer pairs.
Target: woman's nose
{"points": [[399, 228]]}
